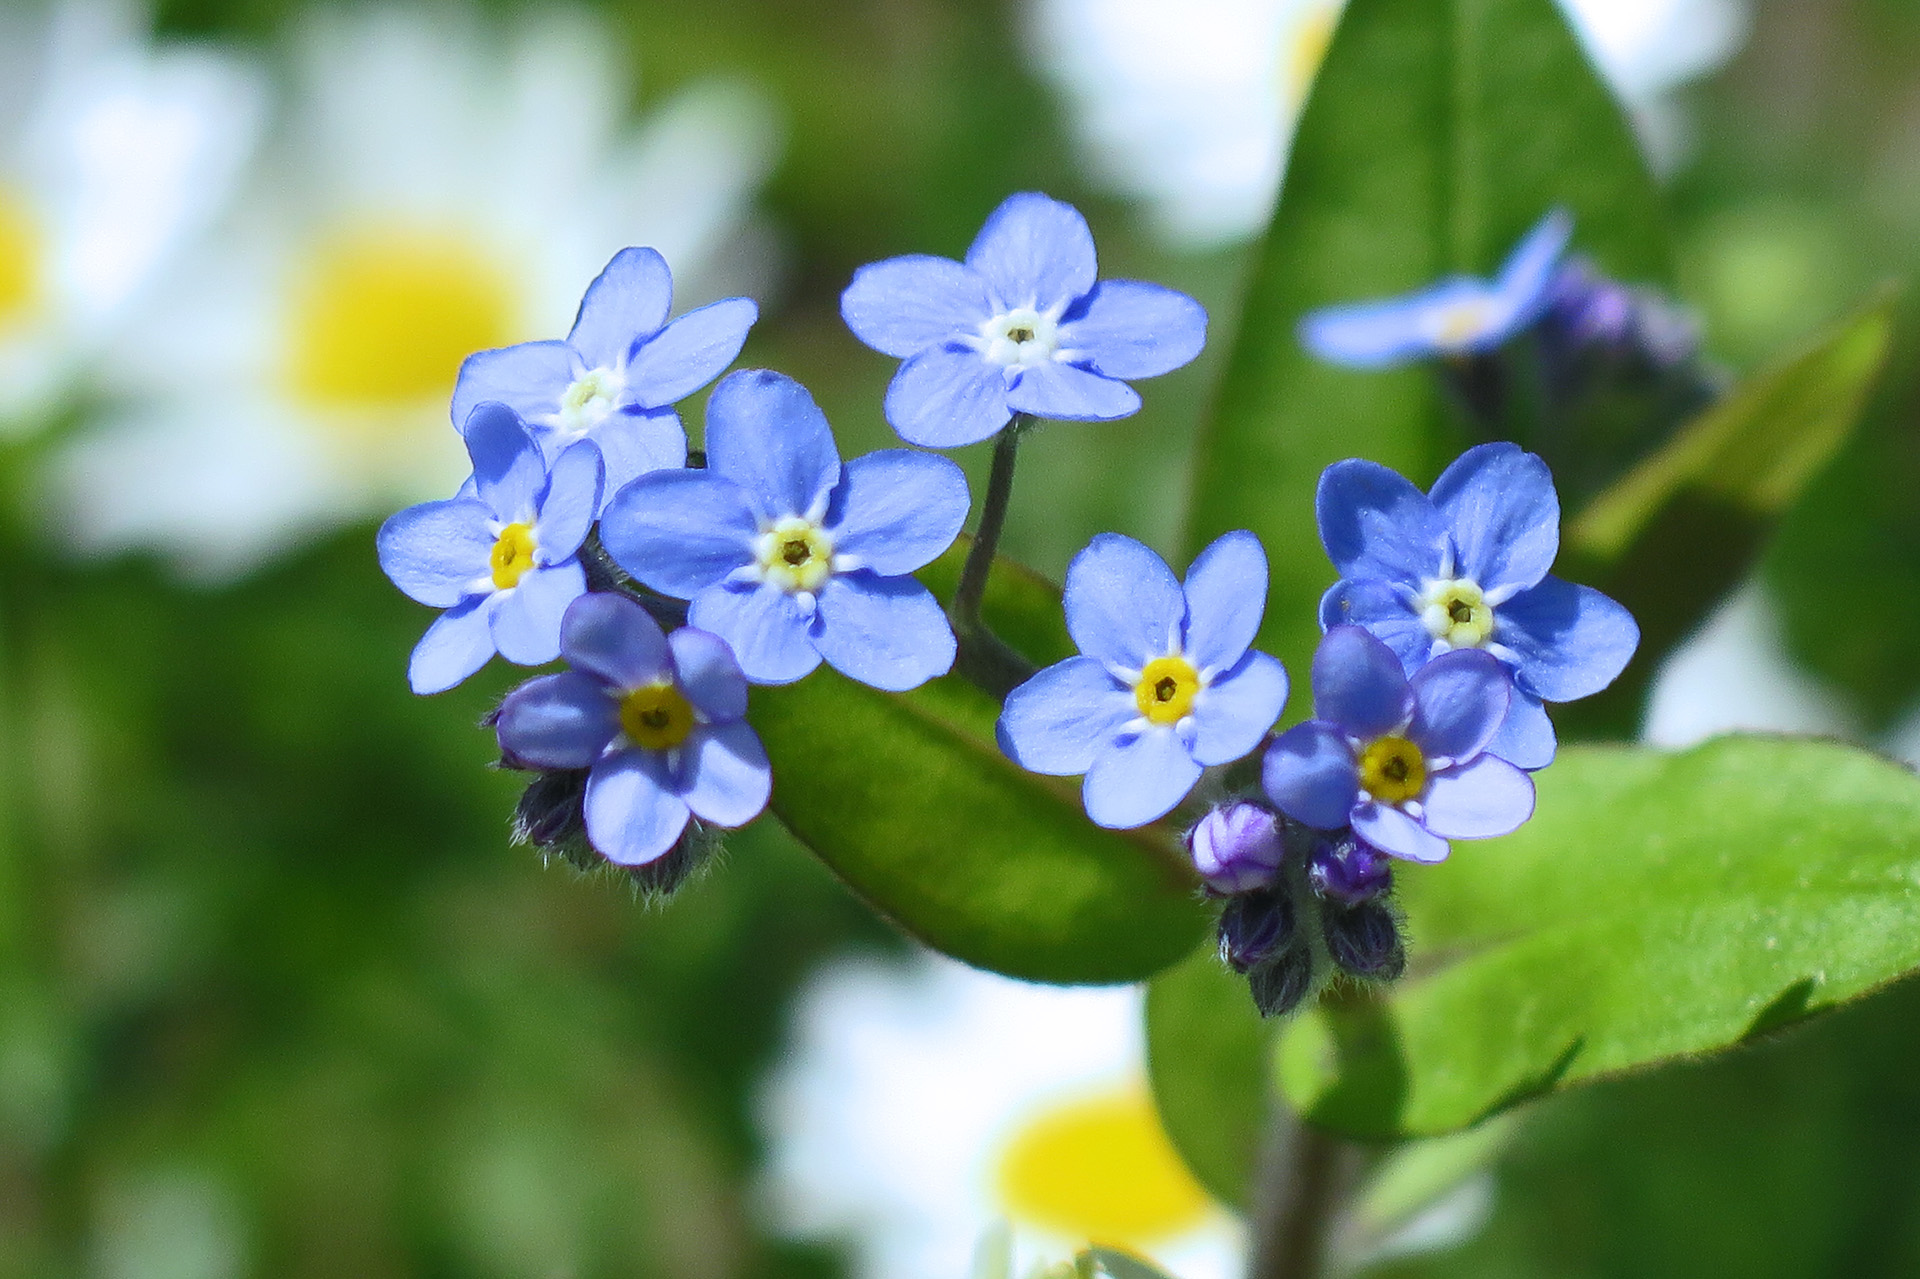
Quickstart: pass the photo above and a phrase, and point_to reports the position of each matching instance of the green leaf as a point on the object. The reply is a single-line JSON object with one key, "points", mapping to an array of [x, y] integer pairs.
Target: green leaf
{"points": [[1207, 1055], [1437, 134], [908, 798], [1123, 1265], [1658, 906]]}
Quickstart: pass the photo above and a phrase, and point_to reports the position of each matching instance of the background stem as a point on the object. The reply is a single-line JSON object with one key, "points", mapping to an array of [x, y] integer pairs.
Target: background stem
{"points": [[1303, 1175]]}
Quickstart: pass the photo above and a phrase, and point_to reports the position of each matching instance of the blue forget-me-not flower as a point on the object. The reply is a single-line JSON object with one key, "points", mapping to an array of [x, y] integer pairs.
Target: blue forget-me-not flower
{"points": [[1402, 762], [659, 720], [1458, 316], [1166, 683], [1022, 326], [502, 558], [789, 555], [1467, 568], [617, 375]]}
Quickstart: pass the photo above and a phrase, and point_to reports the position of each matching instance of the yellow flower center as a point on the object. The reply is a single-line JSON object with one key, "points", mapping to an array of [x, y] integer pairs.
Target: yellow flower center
{"points": [[1101, 1169], [795, 554], [1461, 323], [657, 717], [1165, 690], [1393, 770], [21, 252], [1456, 610], [512, 555]]}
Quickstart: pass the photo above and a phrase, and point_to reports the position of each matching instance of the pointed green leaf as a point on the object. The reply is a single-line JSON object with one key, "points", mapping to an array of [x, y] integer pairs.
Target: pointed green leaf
{"points": [[1207, 1052]]}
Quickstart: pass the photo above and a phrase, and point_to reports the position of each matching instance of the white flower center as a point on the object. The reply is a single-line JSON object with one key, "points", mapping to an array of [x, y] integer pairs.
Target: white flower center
{"points": [[1456, 612], [794, 554], [1020, 339], [588, 402]]}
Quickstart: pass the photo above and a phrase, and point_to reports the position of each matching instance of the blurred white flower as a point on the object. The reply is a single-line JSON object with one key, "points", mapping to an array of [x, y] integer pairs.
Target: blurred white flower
{"points": [[436, 188], [923, 1101], [114, 154], [1191, 107]]}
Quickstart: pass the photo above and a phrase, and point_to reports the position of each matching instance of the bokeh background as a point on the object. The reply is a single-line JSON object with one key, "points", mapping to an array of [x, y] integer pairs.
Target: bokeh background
{"points": [[278, 998]]}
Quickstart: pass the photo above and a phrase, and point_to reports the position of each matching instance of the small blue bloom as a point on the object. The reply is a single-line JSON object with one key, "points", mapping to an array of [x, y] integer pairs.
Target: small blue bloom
{"points": [[659, 720], [1467, 568], [1404, 764], [1021, 326], [615, 378], [1458, 316], [502, 560], [787, 554], [1167, 682]]}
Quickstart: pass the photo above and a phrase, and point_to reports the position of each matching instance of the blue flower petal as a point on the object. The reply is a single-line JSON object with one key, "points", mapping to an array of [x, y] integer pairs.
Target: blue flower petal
{"points": [[633, 816], [1235, 712], [904, 305], [1226, 590], [457, 644], [626, 302], [1567, 641], [1526, 738], [1374, 523], [1359, 684], [726, 778], [1371, 335], [709, 674], [558, 721], [764, 628], [1122, 603], [765, 433], [1069, 394], [1380, 609], [437, 551], [1529, 269], [1035, 251], [571, 503], [1131, 329], [885, 631], [529, 378], [1135, 781], [680, 531], [1396, 834], [526, 624], [508, 470], [1500, 504], [947, 396], [1478, 800], [1057, 721], [1310, 775], [899, 510], [639, 441], [1460, 700], [613, 639], [690, 352]]}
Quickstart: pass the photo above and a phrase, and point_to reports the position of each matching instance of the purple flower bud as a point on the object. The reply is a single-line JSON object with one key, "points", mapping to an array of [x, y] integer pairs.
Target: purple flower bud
{"points": [[1279, 985], [1254, 927], [1348, 869], [1237, 848], [1364, 940]]}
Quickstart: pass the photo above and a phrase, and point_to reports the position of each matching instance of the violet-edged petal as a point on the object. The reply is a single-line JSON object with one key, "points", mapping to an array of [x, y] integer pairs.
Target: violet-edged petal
{"points": [[765, 433], [571, 503], [1529, 269], [457, 644], [1232, 714], [690, 352], [1478, 800], [1131, 329], [947, 396], [1035, 251], [898, 510], [762, 626], [633, 816], [626, 302], [1396, 834], [1568, 641], [904, 305], [680, 532], [725, 778], [1499, 503], [615, 640], [1122, 603], [1226, 590], [1138, 779], [435, 552], [1526, 738], [1310, 775], [526, 623], [1370, 335], [509, 472], [635, 442], [885, 631], [1374, 523], [1359, 684], [529, 378], [1459, 702], [709, 674], [1066, 393], [1382, 611], [558, 721], [1058, 720]]}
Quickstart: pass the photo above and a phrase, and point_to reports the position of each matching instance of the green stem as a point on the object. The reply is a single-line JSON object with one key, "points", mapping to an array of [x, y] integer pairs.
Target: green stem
{"points": [[1303, 1173], [984, 658]]}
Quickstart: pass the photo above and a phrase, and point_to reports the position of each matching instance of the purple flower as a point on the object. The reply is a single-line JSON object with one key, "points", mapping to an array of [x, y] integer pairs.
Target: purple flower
{"points": [[1344, 867], [617, 375], [502, 558], [1404, 764], [1237, 848], [1458, 316], [658, 720], [1167, 682], [1467, 568], [790, 556], [1021, 326]]}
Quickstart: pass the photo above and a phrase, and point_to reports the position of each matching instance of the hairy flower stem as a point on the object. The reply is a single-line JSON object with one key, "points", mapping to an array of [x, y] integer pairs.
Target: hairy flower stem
{"points": [[984, 658], [1302, 1179]]}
